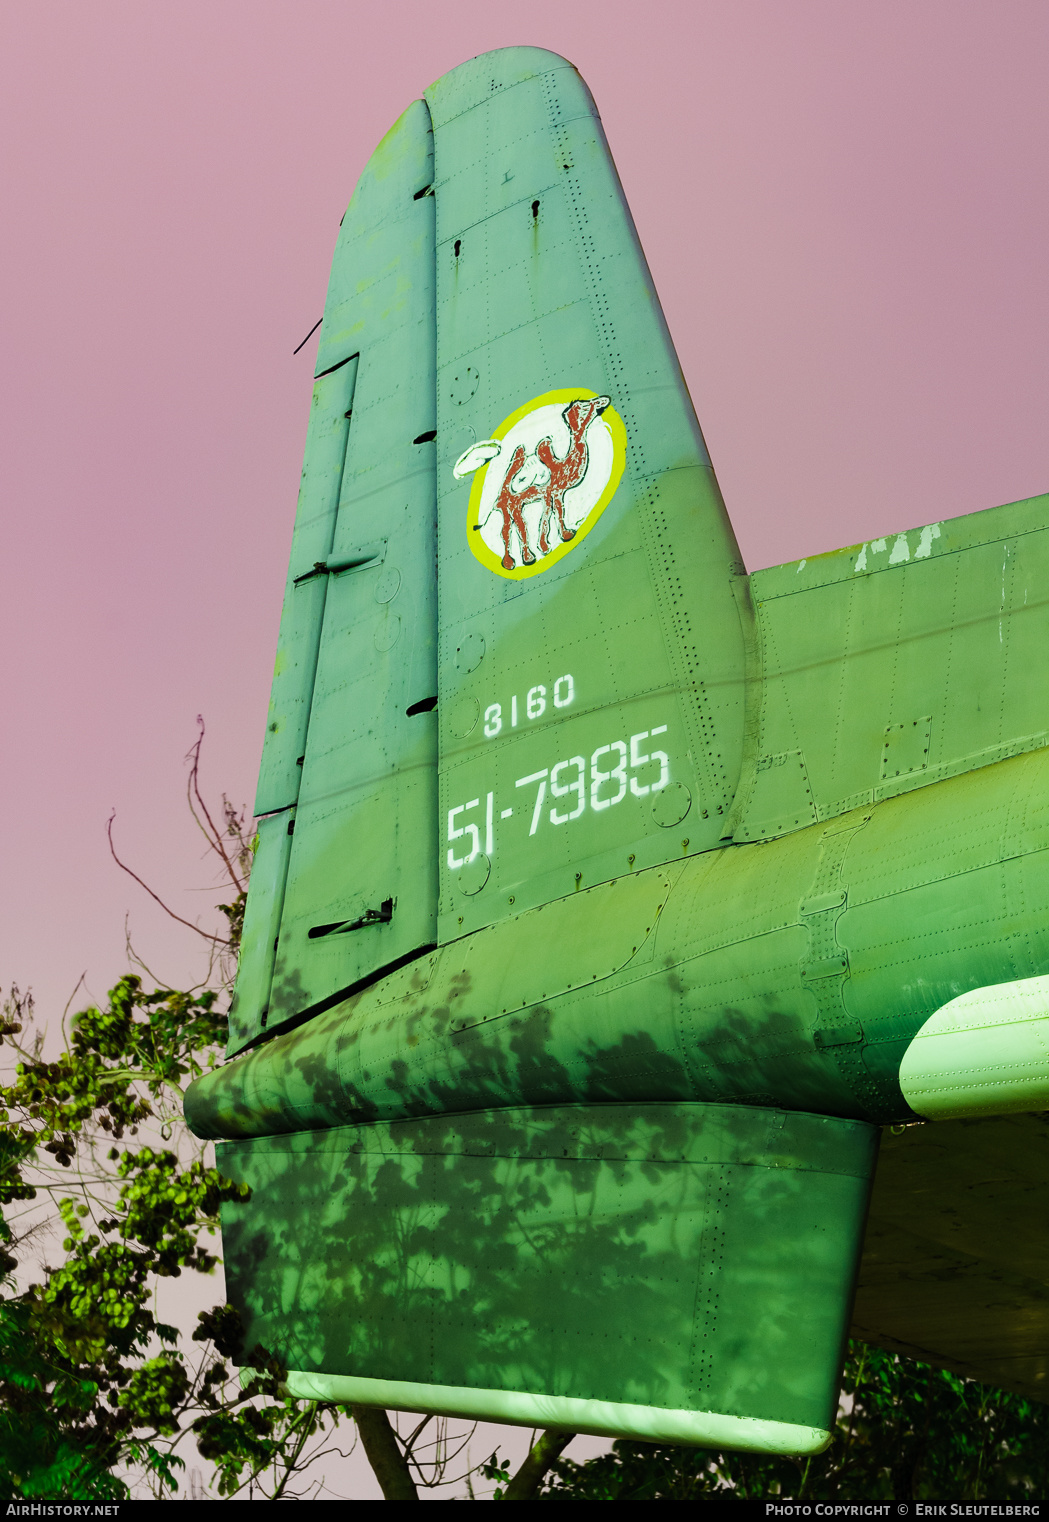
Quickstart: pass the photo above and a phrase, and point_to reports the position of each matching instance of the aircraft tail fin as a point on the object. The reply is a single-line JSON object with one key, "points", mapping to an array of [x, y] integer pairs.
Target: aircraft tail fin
{"points": [[590, 650], [512, 577]]}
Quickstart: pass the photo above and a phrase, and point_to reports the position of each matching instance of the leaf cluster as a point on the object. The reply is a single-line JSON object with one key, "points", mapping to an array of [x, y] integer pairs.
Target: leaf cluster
{"points": [[86, 1364], [92, 1384], [91, 1381]]}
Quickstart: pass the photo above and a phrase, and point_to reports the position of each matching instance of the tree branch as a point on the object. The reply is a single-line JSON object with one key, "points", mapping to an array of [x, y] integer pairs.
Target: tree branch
{"points": [[218, 940], [384, 1454], [529, 1477], [214, 838]]}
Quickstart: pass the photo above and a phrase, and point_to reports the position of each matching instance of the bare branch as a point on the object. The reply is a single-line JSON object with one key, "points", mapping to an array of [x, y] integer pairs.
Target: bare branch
{"points": [[69, 1001], [211, 834], [218, 940], [214, 952], [409, 1442]]}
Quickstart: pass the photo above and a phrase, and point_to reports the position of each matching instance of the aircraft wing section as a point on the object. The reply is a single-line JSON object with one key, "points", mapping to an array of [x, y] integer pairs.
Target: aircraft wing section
{"points": [[891, 665]]}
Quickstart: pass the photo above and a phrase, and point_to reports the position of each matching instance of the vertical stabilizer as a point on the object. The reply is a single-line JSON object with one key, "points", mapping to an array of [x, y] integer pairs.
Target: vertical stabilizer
{"points": [[509, 527], [590, 651]]}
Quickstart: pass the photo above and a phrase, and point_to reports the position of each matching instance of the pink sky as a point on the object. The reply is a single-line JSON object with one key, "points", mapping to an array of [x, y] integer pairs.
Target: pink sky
{"points": [[845, 209]]}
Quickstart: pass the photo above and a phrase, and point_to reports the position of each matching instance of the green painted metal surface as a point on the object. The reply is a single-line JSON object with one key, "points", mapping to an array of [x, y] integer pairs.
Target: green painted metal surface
{"points": [[570, 823], [566, 1413], [352, 735], [542, 287], [794, 972], [887, 666], [616, 1253]]}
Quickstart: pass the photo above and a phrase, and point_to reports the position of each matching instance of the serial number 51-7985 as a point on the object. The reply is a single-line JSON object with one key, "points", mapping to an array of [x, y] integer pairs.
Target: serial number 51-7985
{"points": [[572, 784]]}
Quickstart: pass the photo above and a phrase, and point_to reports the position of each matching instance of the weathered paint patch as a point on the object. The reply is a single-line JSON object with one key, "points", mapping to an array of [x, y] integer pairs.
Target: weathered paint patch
{"points": [[876, 547], [928, 534]]}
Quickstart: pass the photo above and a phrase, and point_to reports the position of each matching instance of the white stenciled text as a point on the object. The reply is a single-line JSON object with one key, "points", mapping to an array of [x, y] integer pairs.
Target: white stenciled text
{"points": [[564, 792], [536, 702]]}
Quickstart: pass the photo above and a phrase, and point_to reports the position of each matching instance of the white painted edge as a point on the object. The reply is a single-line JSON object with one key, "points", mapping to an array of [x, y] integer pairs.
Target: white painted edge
{"points": [[600, 1418]]}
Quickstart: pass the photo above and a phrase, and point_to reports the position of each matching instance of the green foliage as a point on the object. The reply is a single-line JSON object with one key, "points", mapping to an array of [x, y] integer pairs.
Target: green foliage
{"points": [[234, 914], [91, 1382], [905, 1432], [249, 1439], [41, 1407], [497, 1469]]}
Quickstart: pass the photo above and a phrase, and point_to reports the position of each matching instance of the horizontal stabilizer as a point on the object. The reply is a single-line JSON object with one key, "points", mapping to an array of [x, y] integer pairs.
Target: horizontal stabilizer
{"points": [[678, 1273]]}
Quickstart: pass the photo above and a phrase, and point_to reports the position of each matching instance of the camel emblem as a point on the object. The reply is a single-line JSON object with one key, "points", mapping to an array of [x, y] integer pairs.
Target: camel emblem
{"points": [[542, 480]]}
